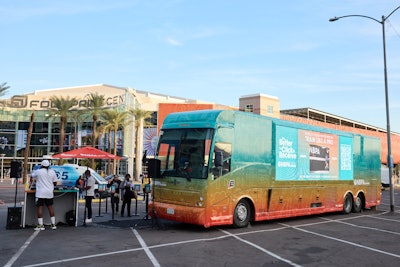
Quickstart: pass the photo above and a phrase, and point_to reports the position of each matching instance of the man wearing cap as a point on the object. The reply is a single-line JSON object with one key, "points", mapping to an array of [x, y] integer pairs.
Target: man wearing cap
{"points": [[46, 179]]}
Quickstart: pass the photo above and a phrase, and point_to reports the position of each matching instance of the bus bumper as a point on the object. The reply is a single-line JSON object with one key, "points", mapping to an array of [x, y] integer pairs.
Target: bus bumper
{"points": [[178, 213]]}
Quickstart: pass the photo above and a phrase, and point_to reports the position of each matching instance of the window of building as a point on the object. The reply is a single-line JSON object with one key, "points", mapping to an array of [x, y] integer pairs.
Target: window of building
{"points": [[249, 108], [7, 125], [270, 109]]}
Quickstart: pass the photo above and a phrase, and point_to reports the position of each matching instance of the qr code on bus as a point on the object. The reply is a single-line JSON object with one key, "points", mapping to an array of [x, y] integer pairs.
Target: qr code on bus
{"points": [[345, 157]]}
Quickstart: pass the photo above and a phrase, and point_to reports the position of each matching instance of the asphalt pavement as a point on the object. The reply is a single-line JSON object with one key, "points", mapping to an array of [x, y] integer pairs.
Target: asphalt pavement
{"points": [[369, 238]]}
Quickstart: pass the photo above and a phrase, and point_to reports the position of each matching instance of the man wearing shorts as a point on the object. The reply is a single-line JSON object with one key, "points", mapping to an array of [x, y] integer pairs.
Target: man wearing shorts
{"points": [[46, 179]]}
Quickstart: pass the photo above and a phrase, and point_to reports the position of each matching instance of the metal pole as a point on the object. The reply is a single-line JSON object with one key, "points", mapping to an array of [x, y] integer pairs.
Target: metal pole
{"points": [[2, 165], [388, 133], [100, 195], [389, 147]]}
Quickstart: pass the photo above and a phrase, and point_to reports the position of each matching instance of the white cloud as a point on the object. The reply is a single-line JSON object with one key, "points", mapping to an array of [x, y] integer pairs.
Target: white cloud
{"points": [[173, 41]]}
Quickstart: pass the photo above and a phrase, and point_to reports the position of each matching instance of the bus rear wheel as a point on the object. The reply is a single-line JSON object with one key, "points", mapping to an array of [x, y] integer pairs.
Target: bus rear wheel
{"points": [[241, 216], [357, 204], [347, 204]]}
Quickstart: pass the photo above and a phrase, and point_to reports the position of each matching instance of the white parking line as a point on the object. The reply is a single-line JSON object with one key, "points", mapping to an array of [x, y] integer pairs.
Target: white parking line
{"points": [[83, 257], [21, 249], [342, 241], [227, 234], [362, 227], [125, 251], [261, 248], [146, 248], [383, 219]]}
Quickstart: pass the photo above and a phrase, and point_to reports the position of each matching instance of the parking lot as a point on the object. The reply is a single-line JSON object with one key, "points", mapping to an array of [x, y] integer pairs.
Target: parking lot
{"points": [[369, 238]]}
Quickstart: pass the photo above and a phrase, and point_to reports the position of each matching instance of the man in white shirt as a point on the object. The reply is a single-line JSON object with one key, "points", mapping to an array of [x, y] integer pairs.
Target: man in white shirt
{"points": [[46, 179], [89, 187]]}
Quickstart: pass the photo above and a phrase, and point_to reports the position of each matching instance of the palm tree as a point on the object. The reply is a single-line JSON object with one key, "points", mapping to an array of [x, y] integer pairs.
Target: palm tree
{"points": [[113, 120], [95, 106], [4, 88], [61, 107], [102, 129], [27, 148], [77, 116], [140, 119]]}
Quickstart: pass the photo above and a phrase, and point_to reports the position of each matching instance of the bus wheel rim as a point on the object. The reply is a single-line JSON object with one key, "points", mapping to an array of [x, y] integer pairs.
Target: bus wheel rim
{"points": [[242, 212]]}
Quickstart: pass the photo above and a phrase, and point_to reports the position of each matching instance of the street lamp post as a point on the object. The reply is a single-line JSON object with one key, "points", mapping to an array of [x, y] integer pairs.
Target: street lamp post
{"points": [[389, 146], [2, 165]]}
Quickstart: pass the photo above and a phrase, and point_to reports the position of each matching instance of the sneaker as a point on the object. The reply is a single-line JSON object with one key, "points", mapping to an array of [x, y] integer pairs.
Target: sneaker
{"points": [[39, 227], [88, 220], [53, 226]]}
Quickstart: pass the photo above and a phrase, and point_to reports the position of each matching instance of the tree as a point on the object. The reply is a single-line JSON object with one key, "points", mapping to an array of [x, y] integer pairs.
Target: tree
{"points": [[95, 106], [61, 107], [140, 119], [78, 116], [27, 148], [114, 119], [107, 128], [4, 88]]}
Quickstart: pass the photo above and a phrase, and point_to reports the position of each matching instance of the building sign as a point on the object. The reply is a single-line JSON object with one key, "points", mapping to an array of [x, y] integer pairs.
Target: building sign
{"points": [[29, 102]]}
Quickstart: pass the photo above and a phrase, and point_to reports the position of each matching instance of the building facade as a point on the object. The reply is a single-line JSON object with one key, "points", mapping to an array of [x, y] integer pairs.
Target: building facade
{"points": [[17, 112]]}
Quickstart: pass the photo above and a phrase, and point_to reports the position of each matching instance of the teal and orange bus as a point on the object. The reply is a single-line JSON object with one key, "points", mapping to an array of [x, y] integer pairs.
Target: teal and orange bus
{"points": [[222, 167]]}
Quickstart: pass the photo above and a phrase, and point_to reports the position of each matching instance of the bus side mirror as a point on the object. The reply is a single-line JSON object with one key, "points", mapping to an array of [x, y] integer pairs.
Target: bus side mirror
{"points": [[153, 168], [218, 159]]}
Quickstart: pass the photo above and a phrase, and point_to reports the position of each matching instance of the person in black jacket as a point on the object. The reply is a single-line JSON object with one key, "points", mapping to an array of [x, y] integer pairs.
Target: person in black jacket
{"points": [[127, 195], [115, 195]]}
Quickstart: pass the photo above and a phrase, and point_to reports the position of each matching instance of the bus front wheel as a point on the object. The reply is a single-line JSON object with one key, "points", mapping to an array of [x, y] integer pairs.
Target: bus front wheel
{"points": [[241, 216], [347, 204]]}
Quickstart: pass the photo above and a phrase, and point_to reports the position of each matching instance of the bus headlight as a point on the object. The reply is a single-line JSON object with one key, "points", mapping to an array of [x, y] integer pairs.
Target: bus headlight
{"points": [[200, 203]]}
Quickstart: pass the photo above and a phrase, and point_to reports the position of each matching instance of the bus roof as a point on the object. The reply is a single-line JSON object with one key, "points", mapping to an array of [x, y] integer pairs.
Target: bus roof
{"points": [[192, 119], [216, 118]]}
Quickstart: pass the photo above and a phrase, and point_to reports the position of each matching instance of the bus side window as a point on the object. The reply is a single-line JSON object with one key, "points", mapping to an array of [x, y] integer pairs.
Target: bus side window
{"points": [[222, 159]]}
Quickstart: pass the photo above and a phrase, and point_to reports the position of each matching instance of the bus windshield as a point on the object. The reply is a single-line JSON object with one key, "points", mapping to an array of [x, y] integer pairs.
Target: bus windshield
{"points": [[185, 152]]}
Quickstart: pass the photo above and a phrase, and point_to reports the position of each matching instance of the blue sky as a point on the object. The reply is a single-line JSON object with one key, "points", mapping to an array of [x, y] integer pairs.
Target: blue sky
{"points": [[210, 50]]}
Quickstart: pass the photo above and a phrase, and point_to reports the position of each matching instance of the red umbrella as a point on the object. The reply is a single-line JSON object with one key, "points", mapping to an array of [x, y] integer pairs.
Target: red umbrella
{"points": [[87, 152]]}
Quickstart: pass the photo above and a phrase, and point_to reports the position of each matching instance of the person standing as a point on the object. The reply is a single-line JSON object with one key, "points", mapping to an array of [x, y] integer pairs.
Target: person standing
{"points": [[127, 194], [146, 185], [45, 179], [115, 195], [89, 187], [80, 183]]}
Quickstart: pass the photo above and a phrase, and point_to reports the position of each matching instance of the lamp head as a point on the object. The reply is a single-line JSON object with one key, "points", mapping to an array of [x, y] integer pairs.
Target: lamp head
{"points": [[333, 19]]}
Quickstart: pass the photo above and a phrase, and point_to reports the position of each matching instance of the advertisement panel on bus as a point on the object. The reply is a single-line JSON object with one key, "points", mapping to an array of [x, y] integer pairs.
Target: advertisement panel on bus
{"points": [[309, 155]]}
